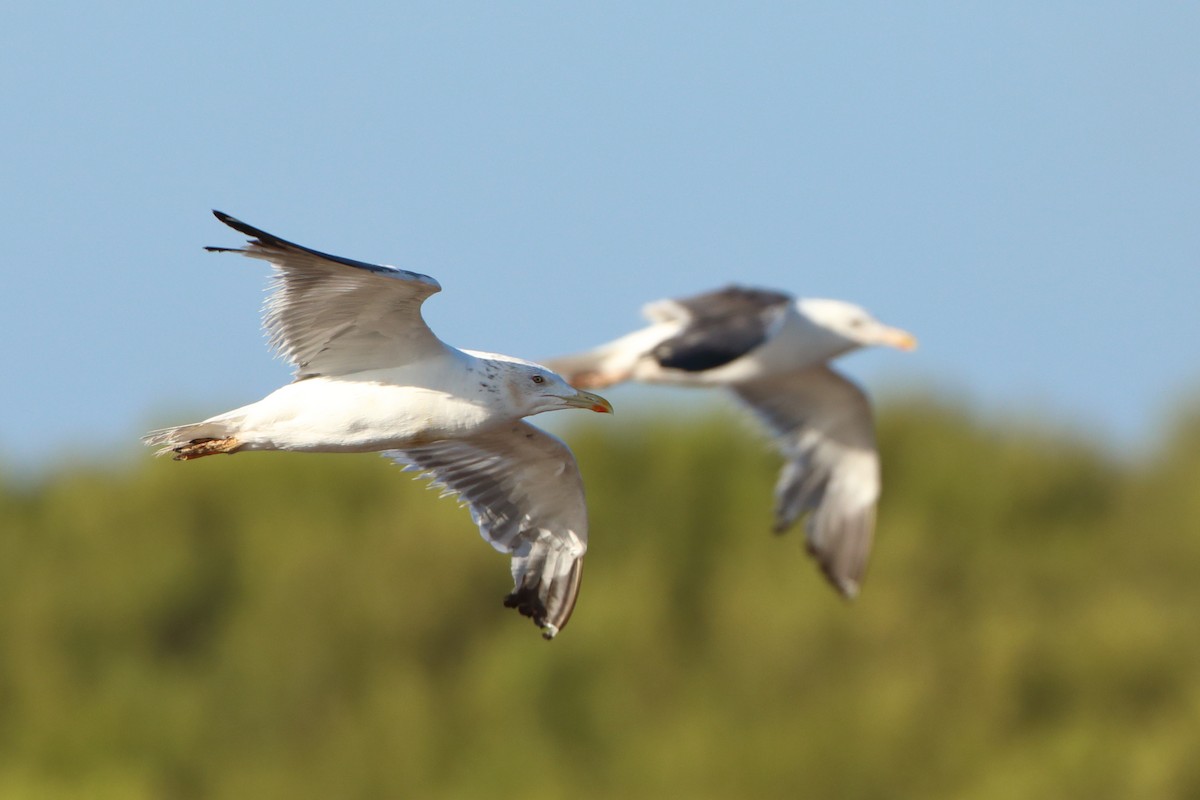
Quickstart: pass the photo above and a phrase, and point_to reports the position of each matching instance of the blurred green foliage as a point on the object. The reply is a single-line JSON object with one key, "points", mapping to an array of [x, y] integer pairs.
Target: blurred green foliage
{"points": [[322, 626]]}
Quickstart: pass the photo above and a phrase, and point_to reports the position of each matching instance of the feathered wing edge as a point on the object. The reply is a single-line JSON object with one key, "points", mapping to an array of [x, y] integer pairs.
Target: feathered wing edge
{"points": [[511, 500], [327, 314]]}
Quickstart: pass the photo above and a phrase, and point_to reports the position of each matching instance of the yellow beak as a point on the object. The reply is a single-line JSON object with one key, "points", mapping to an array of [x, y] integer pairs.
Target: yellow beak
{"points": [[592, 402], [901, 340]]}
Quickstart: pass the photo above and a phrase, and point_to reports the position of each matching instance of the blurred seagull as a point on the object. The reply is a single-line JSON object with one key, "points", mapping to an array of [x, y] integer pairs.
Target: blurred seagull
{"points": [[770, 349], [371, 376]]}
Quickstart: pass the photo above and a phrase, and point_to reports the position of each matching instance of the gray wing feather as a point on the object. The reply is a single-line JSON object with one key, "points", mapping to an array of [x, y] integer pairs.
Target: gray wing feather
{"points": [[822, 424], [330, 315], [525, 494]]}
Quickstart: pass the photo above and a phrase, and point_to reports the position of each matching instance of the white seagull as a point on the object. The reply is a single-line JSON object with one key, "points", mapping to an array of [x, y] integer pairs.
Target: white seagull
{"points": [[770, 349], [371, 376]]}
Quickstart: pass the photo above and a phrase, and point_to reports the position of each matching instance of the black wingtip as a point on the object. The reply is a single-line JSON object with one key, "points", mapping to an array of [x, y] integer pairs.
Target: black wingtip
{"points": [[266, 240], [526, 601], [261, 236], [242, 227], [235, 223]]}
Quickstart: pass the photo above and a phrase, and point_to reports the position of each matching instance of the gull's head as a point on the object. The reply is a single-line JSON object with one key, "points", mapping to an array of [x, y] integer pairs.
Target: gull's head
{"points": [[536, 389], [852, 325]]}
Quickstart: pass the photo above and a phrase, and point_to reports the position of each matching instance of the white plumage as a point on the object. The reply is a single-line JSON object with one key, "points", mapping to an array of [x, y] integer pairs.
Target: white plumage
{"points": [[770, 350], [372, 376]]}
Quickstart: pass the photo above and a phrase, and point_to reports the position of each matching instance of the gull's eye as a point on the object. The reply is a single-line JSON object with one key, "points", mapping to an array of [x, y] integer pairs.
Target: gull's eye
{"points": [[538, 379]]}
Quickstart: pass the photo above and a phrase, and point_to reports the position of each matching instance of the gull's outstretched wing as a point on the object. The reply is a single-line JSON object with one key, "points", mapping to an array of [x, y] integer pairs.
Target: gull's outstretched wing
{"points": [[526, 496], [719, 326], [330, 315], [822, 424]]}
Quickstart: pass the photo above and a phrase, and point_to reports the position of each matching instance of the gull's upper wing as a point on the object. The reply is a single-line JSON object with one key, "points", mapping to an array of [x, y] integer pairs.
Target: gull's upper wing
{"points": [[719, 326], [526, 496], [330, 315], [822, 423]]}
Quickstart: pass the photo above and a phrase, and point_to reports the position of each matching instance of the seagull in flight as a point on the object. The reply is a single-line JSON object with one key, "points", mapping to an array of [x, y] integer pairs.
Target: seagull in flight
{"points": [[370, 376], [771, 350]]}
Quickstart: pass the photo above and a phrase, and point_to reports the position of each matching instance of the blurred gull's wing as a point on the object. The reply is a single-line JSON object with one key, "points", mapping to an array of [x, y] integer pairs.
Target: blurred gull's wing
{"points": [[822, 424]]}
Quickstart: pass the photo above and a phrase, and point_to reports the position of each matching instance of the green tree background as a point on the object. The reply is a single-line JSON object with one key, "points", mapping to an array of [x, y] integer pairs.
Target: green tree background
{"points": [[323, 626]]}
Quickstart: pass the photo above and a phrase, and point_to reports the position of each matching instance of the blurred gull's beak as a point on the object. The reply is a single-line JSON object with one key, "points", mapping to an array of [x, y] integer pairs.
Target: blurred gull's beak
{"points": [[901, 340]]}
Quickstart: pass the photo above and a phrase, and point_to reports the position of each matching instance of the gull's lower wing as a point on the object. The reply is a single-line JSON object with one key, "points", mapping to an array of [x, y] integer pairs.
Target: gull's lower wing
{"points": [[526, 496], [822, 423]]}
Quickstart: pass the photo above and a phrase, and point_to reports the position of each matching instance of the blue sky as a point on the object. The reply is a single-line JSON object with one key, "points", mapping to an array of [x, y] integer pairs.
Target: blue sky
{"points": [[1017, 183]]}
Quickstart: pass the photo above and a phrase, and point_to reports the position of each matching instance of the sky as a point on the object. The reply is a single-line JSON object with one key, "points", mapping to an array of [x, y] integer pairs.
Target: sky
{"points": [[1016, 183]]}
